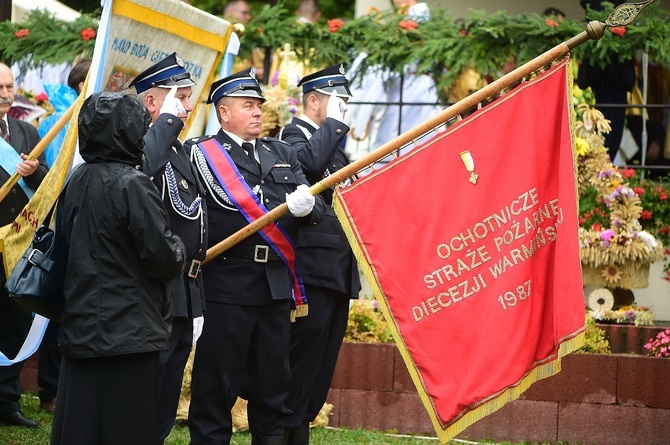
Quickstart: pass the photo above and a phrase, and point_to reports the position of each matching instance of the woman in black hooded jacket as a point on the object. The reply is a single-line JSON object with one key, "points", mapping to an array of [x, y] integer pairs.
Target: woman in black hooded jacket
{"points": [[121, 257]]}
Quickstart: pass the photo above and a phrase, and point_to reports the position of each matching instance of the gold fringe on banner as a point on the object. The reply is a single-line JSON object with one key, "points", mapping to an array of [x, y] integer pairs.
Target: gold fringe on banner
{"points": [[446, 432]]}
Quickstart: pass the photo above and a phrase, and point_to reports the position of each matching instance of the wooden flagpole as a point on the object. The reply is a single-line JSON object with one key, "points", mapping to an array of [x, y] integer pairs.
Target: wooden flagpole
{"points": [[39, 149], [622, 15]]}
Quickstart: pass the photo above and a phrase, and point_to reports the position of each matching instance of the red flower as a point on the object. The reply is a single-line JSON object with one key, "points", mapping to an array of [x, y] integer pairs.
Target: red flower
{"points": [[42, 97], [22, 33], [663, 196], [87, 34], [639, 191], [334, 25], [619, 30], [628, 172], [551, 23], [646, 214], [597, 227], [408, 24]]}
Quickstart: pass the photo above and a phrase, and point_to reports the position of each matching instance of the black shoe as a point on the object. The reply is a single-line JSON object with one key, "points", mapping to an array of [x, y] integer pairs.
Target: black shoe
{"points": [[17, 419]]}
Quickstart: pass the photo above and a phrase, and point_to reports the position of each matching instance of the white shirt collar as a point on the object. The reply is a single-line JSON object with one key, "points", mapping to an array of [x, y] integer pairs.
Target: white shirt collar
{"points": [[309, 121], [238, 140]]}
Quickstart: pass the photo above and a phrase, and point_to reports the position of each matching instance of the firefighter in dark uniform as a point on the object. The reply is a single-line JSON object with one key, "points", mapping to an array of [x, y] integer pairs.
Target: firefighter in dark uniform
{"points": [[325, 259], [244, 348], [165, 90]]}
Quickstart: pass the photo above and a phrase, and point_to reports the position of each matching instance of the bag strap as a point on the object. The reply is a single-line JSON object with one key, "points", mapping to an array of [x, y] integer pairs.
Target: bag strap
{"points": [[47, 218]]}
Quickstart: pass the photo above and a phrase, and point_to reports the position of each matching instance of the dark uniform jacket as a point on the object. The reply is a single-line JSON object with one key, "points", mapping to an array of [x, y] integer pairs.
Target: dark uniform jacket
{"points": [[234, 277], [183, 195], [24, 138], [324, 255], [122, 255]]}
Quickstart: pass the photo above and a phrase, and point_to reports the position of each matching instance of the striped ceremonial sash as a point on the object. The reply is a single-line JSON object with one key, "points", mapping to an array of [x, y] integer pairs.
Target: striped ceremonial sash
{"points": [[246, 201]]}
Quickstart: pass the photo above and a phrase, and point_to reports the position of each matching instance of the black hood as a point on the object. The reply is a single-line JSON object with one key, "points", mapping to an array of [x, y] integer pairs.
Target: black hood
{"points": [[111, 128]]}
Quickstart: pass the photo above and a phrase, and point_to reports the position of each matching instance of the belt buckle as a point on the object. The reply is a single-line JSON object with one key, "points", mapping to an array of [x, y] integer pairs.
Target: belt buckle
{"points": [[32, 254], [261, 253], [194, 270]]}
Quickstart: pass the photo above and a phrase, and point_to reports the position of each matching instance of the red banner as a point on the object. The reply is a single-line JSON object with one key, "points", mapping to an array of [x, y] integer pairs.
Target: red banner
{"points": [[470, 244]]}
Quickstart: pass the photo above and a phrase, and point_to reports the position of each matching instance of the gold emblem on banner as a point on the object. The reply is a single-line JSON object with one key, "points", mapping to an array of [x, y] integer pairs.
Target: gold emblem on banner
{"points": [[469, 163]]}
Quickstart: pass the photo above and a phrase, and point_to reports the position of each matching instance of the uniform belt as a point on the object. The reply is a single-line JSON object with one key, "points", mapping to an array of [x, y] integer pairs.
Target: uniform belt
{"points": [[193, 268], [260, 253]]}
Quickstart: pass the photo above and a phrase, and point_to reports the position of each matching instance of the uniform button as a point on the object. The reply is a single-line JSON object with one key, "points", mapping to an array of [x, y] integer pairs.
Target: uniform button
{"points": [[338, 131], [169, 121], [267, 201], [14, 191], [285, 178], [262, 181], [12, 210]]}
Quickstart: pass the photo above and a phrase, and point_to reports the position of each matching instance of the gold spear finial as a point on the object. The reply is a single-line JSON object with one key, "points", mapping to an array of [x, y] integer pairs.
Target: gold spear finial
{"points": [[626, 13], [621, 16]]}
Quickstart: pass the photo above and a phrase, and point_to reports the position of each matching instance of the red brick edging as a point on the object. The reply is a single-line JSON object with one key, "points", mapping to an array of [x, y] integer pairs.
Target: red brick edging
{"points": [[599, 399]]}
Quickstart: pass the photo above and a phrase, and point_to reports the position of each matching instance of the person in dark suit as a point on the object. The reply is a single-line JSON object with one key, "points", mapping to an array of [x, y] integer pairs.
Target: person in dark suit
{"points": [[122, 257], [165, 90], [610, 83], [244, 348], [18, 139], [327, 263]]}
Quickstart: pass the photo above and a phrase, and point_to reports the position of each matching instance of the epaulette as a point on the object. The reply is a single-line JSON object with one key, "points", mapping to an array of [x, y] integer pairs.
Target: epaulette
{"points": [[198, 139], [269, 139]]}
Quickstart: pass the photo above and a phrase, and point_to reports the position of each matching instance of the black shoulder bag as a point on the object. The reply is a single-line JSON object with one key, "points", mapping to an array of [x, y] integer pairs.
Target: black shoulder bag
{"points": [[36, 282]]}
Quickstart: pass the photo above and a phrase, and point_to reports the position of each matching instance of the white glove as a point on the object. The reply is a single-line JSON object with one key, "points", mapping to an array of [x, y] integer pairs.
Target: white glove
{"points": [[172, 105], [336, 107], [198, 323], [301, 202]]}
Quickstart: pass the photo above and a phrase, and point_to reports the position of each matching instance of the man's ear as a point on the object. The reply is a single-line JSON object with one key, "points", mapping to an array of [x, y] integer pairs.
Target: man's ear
{"points": [[313, 101], [224, 115], [150, 102]]}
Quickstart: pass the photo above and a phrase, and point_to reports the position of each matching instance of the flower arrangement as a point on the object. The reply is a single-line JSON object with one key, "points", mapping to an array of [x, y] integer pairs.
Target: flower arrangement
{"points": [[29, 106], [632, 314], [282, 95], [659, 346], [655, 216], [615, 250]]}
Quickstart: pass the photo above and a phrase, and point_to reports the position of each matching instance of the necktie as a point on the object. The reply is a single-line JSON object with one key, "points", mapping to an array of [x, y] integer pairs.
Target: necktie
{"points": [[249, 148], [3, 130]]}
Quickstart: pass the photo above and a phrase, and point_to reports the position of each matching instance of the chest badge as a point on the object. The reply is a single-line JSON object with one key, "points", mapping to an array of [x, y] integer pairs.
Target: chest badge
{"points": [[184, 184]]}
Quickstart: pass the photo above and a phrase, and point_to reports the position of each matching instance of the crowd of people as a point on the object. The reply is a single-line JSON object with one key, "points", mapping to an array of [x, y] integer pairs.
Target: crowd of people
{"points": [[268, 314], [139, 215]]}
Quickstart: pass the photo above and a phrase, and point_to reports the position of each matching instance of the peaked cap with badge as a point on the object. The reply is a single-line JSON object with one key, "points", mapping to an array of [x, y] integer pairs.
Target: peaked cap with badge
{"points": [[326, 81], [167, 73], [240, 84]]}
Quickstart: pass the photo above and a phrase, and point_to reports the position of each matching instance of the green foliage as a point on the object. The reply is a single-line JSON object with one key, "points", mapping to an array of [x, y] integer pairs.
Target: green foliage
{"points": [[594, 339], [440, 46], [44, 39], [366, 323], [443, 46]]}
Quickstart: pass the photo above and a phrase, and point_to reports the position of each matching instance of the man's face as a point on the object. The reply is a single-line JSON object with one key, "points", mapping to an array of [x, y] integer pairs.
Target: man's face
{"points": [[6, 90], [320, 107], [241, 116], [241, 12], [184, 96]]}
